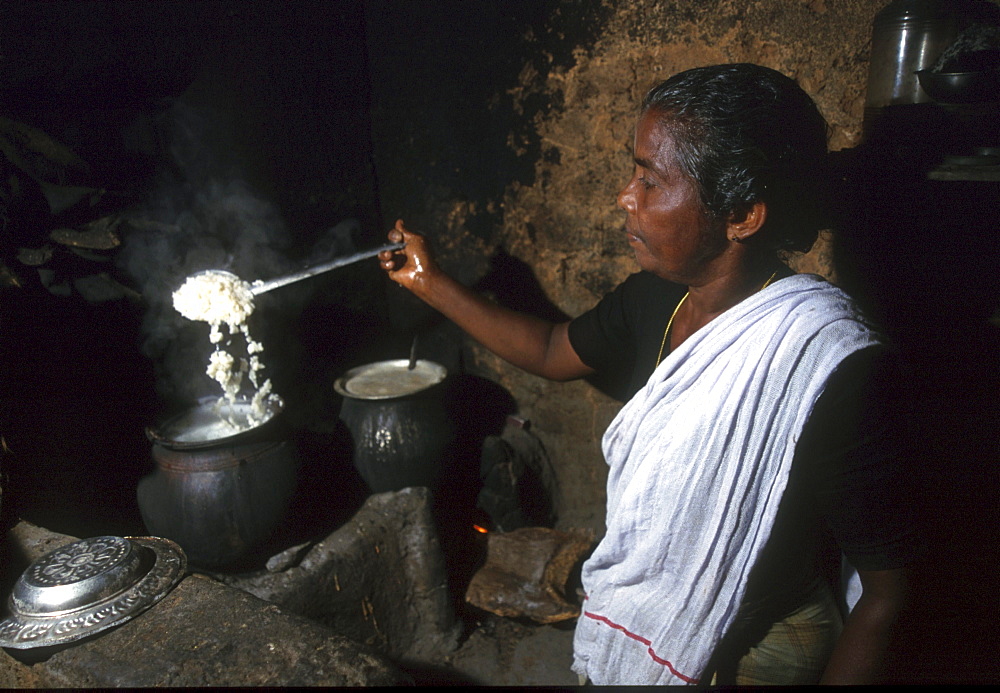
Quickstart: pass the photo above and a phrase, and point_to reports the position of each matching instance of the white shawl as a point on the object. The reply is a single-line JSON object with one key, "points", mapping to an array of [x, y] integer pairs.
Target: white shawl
{"points": [[699, 459]]}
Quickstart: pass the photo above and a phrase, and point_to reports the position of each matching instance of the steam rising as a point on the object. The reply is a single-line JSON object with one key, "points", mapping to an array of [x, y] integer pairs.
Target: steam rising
{"points": [[201, 215]]}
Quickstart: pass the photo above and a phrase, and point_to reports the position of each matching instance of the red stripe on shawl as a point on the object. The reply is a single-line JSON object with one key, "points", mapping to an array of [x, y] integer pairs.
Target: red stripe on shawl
{"points": [[644, 641]]}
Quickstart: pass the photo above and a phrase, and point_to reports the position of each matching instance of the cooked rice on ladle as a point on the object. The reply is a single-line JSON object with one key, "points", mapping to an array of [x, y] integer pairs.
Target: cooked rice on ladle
{"points": [[222, 298]]}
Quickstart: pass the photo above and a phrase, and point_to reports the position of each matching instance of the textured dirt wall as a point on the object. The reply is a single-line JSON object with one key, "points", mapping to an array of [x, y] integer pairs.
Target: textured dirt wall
{"points": [[564, 224], [505, 137]]}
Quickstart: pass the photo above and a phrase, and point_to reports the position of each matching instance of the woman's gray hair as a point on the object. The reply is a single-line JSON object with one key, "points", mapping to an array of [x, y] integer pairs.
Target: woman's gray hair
{"points": [[746, 133]]}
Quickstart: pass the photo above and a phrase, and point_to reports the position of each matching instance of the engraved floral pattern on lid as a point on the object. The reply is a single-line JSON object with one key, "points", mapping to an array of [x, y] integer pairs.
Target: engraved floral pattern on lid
{"points": [[79, 561]]}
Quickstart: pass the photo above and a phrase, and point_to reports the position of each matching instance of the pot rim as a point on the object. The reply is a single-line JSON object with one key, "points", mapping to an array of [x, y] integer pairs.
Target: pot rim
{"points": [[155, 434], [435, 370]]}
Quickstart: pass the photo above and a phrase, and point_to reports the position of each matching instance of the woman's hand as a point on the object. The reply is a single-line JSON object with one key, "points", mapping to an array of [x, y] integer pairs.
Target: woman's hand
{"points": [[414, 266]]}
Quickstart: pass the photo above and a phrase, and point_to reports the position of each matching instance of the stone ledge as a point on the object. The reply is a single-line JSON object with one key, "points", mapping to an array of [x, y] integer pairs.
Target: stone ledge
{"points": [[203, 633], [380, 579]]}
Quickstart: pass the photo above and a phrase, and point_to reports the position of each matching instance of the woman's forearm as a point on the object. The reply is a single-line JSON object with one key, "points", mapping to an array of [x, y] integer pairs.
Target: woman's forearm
{"points": [[535, 345], [530, 343], [859, 655]]}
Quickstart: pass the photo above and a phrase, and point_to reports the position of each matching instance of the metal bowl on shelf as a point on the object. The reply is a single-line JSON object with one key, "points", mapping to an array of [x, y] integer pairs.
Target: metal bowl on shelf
{"points": [[961, 87], [89, 586]]}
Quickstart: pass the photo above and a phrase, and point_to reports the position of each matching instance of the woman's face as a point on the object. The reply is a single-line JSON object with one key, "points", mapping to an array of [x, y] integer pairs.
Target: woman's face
{"points": [[669, 231]]}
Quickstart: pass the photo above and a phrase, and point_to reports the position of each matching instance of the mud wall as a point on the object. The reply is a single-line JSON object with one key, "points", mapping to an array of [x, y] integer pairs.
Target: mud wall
{"points": [[512, 163]]}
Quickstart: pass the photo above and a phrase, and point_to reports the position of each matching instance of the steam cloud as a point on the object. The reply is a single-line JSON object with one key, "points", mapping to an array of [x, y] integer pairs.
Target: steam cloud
{"points": [[202, 214]]}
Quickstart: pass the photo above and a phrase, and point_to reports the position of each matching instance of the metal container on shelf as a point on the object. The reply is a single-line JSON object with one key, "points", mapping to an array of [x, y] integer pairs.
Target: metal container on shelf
{"points": [[907, 36]]}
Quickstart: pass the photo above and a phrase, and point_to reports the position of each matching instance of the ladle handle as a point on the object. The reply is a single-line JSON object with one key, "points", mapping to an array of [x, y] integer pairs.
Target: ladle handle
{"points": [[277, 282]]}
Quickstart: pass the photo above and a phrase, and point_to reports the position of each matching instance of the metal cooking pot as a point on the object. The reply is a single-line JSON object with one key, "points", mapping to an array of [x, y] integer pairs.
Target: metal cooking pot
{"points": [[216, 492], [399, 423]]}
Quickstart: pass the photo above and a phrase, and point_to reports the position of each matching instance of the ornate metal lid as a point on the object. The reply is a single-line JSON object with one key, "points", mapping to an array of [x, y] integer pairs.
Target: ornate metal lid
{"points": [[88, 586]]}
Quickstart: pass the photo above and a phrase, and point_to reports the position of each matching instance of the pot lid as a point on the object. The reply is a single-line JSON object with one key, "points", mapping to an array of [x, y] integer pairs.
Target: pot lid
{"points": [[88, 586], [389, 379]]}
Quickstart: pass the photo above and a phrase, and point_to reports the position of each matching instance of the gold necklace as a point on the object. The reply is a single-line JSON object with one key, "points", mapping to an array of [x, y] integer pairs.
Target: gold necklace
{"points": [[673, 315]]}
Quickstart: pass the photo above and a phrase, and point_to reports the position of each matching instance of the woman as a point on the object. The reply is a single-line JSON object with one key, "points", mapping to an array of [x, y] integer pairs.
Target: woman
{"points": [[746, 437]]}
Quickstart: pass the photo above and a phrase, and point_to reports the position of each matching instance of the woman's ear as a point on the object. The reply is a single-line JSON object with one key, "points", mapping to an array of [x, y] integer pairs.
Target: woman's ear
{"points": [[745, 223]]}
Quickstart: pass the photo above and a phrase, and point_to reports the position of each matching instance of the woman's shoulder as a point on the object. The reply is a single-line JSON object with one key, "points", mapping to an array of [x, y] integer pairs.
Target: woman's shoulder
{"points": [[809, 292]]}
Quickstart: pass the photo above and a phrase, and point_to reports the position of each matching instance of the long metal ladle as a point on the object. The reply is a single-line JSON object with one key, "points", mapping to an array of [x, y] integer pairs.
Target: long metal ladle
{"points": [[261, 287]]}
